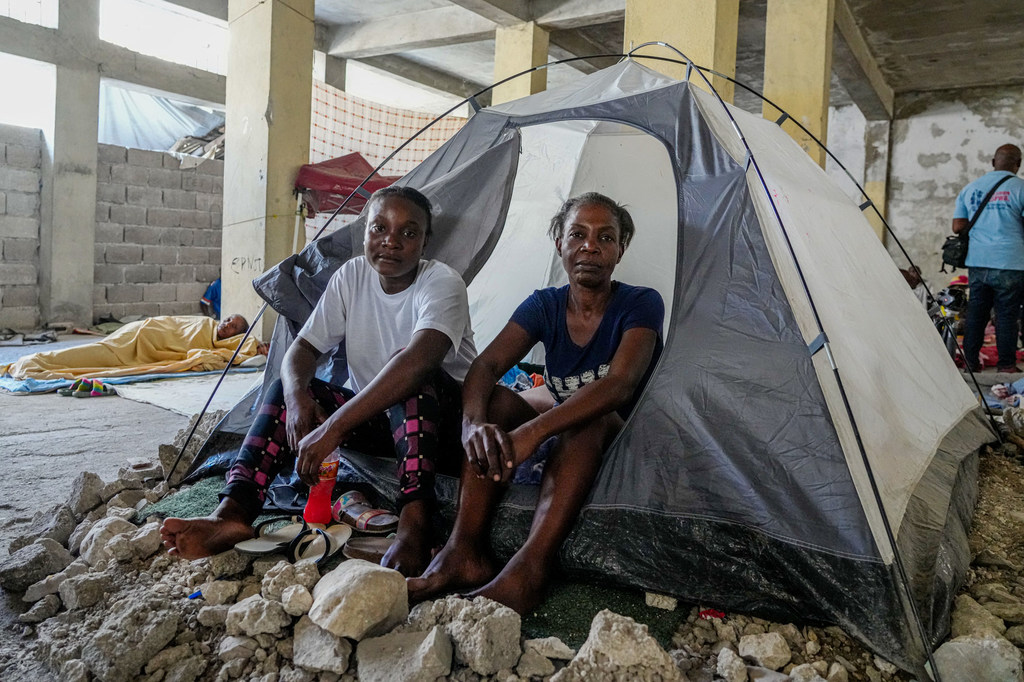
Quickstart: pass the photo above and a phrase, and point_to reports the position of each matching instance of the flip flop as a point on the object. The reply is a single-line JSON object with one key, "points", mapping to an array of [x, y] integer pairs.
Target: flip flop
{"points": [[353, 509], [319, 543], [368, 549], [80, 384], [97, 389], [275, 540]]}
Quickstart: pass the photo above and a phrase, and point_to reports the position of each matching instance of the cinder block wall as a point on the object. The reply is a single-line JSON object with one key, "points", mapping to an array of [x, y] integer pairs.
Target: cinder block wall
{"points": [[158, 231], [20, 157]]}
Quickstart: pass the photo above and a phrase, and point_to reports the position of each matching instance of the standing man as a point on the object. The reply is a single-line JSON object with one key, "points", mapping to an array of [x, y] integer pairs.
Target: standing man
{"points": [[995, 259]]}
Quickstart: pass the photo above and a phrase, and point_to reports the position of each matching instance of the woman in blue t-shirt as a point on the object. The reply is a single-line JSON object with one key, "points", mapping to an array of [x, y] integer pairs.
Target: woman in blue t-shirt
{"points": [[601, 340]]}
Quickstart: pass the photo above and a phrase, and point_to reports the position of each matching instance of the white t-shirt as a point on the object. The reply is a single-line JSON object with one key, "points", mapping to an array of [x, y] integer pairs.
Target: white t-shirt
{"points": [[375, 325]]}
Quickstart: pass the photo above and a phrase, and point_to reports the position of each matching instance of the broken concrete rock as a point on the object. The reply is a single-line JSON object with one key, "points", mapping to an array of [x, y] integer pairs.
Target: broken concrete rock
{"points": [[972, 619], [134, 631], [33, 563], [82, 591], [769, 650], [232, 648], [225, 564], [212, 616], [532, 664], [485, 634], [56, 522], [120, 548], [986, 592], [74, 670], [1010, 613], [979, 658], [731, 667], [805, 673], [318, 650], [284, 574], [168, 657], [218, 592], [409, 656], [146, 541], [94, 545], [296, 600], [359, 599], [49, 584], [139, 470], [550, 647], [78, 534], [126, 498], [619, 648], [47, 607], [85, 493], [1015, 636], [756, 673], [255, 616]]}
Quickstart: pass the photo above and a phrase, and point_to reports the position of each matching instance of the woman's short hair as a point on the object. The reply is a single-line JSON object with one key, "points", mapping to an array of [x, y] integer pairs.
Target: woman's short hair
{"points": [[409, 194], [625, 221]]}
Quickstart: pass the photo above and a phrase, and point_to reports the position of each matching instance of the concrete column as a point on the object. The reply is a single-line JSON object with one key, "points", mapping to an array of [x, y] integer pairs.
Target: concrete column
{"points": [[798, 66], [68, 200], [269, 88], [517, 48], [703, 30], [335, 70], [876, 171]]}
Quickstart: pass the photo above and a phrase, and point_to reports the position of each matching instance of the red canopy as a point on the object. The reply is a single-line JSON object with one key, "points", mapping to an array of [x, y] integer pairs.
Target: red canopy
{"points": [[325, 185]]}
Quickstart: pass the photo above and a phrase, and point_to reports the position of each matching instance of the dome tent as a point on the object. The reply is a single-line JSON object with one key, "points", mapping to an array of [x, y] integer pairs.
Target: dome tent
{"points": [[799, 452]]}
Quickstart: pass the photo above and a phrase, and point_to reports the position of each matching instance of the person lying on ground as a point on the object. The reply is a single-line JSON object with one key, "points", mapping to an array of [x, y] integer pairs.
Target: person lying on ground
{"points": [[408, 341], [601, 340], [165, 343]]}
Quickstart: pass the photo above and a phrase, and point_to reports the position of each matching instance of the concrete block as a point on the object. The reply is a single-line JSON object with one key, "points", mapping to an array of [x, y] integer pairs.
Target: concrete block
{"points": [[20, 250], [164, 293], [199, 183], [179, 308], [193, 255], [178, 274], [17, 273], [163, 217], [99, 253], [19, 227], [176, 236], [111, 192], [196, 219], [20, 156], [140, 308], [108, 153], [179, 198], [19, 180], [20, 297], [127, 214], [129, 175], [208, 273], [108, 274], [99, 294], [115, 310], [164, 178], [102, 212], [143, 157], [163, 255], [30, 137], [215, 219], [142, 274], [209, 202], [123, 253], [207, 238], [109, 233], [211, 167], [102, 172], [23, 203], [19, 318], [189, 292], [145, 196], [3, 203], [124, 293], [142, 234], [171, 161]]}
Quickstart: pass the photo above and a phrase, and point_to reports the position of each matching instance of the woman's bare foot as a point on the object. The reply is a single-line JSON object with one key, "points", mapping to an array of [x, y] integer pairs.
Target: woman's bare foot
{"points": [[413, 540], [216, 533], [455, 567], [520, 585]]}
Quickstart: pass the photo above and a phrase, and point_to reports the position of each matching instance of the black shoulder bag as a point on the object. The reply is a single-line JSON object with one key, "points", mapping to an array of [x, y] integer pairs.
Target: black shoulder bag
{"points": [[954, 249]]}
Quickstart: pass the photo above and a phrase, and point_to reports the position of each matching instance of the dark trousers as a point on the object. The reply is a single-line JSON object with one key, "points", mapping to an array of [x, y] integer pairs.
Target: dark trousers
{"points": [[1002, 289], [423, 431]]}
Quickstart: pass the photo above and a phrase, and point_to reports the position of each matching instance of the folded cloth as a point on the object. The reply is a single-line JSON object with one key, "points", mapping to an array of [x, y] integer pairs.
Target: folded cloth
{"points": [[168, 343]]}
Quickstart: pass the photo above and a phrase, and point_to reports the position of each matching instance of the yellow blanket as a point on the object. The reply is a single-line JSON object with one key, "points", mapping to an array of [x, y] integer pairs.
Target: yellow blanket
{"points": [[157, 344]]}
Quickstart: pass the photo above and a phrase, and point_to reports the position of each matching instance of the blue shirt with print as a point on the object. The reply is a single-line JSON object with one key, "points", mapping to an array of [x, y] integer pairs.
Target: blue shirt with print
{"points": [[568, 366], [997, 238]]}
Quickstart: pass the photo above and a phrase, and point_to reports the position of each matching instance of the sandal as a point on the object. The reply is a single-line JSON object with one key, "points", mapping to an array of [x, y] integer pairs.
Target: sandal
{"points": [[353, 509], [319, 543], [94, 389], [79, 385], [368, 549], [273, 541]]}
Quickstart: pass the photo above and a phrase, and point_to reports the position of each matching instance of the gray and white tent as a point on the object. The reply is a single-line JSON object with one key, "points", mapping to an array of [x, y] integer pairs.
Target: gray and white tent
{"points": [[804, 429]]}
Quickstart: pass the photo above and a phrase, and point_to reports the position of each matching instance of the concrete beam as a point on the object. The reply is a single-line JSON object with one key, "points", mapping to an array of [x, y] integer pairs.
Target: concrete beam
{"points": [[218, 9], [857, 68], [501, 12], [418, 74], [561, 14], [571, 43], [28, 40], [430, 28]]}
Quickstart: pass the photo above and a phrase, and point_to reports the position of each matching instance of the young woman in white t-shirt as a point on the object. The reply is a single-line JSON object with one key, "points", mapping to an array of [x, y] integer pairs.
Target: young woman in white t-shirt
{"points": [[405, 325]]}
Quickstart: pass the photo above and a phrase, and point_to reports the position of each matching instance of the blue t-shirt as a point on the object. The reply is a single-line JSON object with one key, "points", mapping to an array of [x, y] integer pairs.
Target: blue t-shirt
{"points": [[568, 366], [997, 238]]}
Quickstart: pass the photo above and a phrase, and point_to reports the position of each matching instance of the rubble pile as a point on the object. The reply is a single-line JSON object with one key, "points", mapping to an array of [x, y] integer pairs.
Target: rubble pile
{"points": [[108, 604]]}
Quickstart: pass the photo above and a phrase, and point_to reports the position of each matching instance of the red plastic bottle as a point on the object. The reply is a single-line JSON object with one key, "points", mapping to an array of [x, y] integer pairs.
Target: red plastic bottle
{"points": [[318, 506]]}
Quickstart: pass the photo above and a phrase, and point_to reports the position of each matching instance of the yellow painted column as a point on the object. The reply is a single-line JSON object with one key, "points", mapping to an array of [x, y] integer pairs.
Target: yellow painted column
{"points": [[269, 91], [704, 30], [876, 171], [798, 67], [517, 48]]}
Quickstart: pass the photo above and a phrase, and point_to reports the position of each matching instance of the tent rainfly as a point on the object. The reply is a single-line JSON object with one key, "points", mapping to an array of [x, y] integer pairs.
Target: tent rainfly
{"points": [[805, 449]]}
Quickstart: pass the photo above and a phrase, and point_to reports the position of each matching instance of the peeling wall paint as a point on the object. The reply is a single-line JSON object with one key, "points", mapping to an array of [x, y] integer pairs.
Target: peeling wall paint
{"points": [[846, 129], [942, 141]]}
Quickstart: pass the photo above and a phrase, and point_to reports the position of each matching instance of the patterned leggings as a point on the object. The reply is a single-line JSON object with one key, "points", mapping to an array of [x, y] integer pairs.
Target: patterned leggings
{"points": [[422, 430]]}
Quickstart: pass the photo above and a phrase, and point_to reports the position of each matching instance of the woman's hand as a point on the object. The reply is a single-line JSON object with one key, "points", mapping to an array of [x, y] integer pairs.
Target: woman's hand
{"points": [[313, 449], [490, 451]]}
